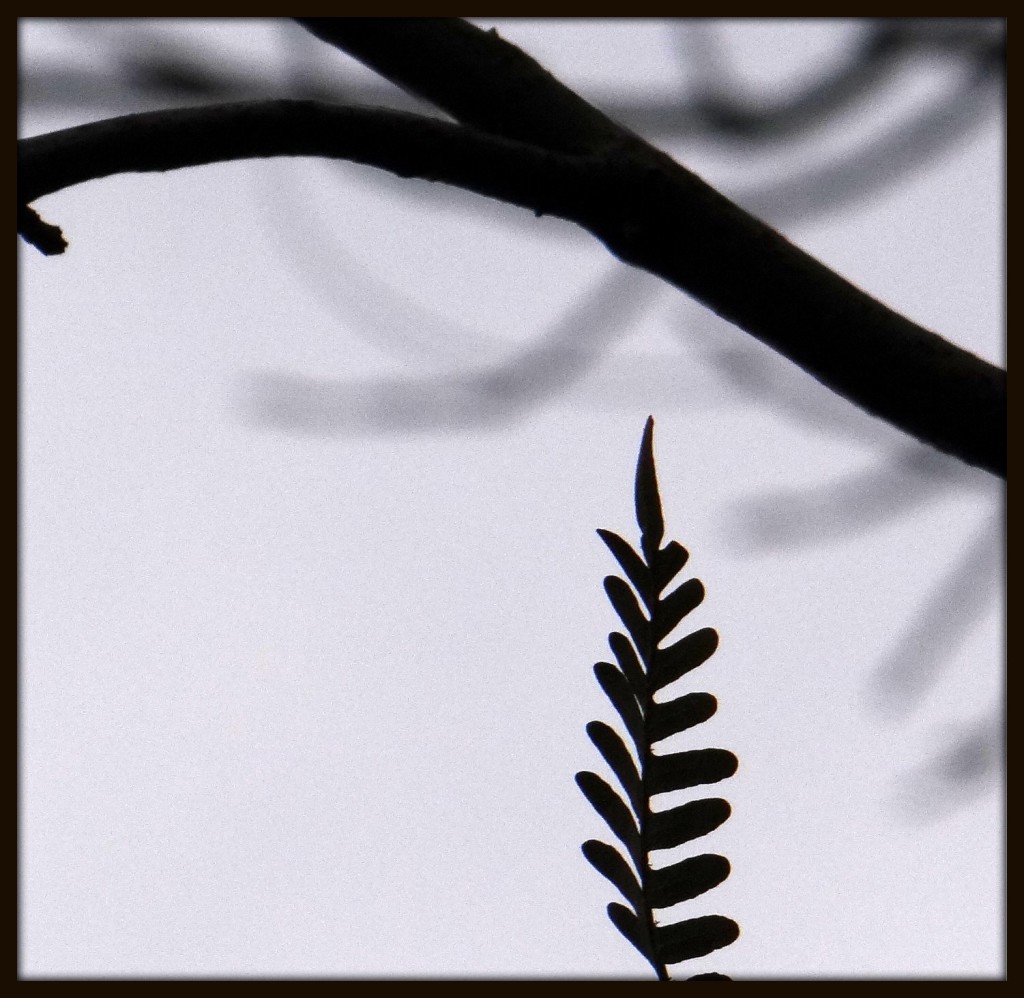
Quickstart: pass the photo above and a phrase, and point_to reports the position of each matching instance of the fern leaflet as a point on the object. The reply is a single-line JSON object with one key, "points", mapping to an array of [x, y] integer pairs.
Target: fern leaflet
{"points": [[641, 669]]}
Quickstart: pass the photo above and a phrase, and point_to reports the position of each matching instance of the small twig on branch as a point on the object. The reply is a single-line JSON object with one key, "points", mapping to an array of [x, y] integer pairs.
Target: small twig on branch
{"points": [[46, 238]]}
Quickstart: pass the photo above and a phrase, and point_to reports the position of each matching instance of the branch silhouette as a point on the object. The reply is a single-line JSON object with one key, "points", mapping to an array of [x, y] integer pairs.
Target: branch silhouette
{"points": [[524, 138]]}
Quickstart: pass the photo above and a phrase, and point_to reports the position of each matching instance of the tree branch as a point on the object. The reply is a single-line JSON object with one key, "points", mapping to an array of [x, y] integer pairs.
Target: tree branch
{"points": [[650, 211], [673, 224], [473, 75], [408, 145]]}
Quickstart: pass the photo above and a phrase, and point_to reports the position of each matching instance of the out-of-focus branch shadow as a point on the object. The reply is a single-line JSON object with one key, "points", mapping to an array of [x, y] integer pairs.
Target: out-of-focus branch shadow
{"points": [[878, 51], [956, 602], [767, 381], [460, 400], [889, 158], [891, 486], [966, 766]]}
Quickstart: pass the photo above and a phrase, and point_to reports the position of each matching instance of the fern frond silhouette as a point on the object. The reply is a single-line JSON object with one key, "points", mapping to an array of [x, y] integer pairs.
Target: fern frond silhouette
{"points": [[642, 669]]}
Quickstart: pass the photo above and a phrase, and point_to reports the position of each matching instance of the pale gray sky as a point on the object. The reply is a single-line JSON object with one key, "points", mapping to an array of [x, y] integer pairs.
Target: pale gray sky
{"points": [[311, 464]]}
